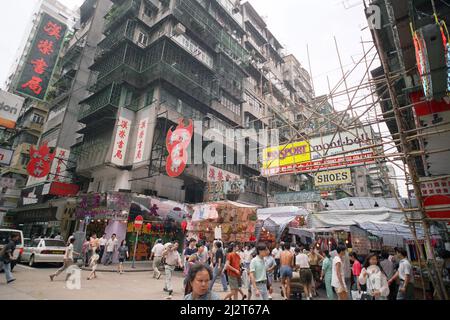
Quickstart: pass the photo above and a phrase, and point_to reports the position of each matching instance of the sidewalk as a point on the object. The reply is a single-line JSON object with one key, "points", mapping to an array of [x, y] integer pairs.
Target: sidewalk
{"points": [[140, 266]]}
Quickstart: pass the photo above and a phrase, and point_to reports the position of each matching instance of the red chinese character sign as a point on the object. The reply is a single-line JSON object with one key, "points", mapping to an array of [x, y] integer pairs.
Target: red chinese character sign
{"points": [[41, 61], [40, 161], [139, 152], [121, 141], [177, 142]]}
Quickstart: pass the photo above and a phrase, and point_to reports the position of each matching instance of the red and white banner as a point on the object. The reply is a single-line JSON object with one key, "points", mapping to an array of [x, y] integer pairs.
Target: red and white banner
{"points": [[121, 141], [63, 189], [436, 198], [141, 140]]}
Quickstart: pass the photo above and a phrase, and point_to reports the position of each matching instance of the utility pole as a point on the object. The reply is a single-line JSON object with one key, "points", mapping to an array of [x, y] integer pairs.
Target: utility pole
{"points": [[410, 162]]}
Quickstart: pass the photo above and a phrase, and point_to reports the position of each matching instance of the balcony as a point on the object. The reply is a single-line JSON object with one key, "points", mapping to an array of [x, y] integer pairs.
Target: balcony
{"points": [[102, 104], [258, 50], [119, 12], [125, 31], [230, 9]]}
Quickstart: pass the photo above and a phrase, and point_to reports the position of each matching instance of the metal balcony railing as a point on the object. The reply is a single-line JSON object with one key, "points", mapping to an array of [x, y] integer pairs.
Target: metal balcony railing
{"points": [[118, 12]]}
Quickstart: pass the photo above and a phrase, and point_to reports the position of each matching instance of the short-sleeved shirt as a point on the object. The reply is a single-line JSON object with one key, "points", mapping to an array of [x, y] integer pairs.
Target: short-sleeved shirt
{"points": [[334, 276], [276, 253], [123, 252], [190, 251], [404, 269], [270, 263], [208, 296], [158, 249], [69, 252], [258, 267], [356, 268], [235, 261], [302, 260], [219, 255]]}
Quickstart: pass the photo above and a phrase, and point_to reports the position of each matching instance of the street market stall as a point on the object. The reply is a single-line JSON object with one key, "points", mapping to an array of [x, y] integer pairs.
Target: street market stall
{"points": [[223, 220], [275, 222]]}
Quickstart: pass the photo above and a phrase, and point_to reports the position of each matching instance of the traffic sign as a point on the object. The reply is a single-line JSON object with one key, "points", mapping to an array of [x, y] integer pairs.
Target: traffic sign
{"points": [[138, 222]]}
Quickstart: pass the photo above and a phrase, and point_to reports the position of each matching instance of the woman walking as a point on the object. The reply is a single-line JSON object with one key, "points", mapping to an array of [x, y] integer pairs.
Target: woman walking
{"points": [[327, 273], [123, 255], [93, 262], [373, 276]]}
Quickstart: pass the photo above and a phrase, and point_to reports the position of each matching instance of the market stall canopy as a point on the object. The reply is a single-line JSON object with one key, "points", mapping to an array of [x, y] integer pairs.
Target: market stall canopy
{"points": [[289, 211], [359, 203], [392, 234], [335, 218], [310, 232]]}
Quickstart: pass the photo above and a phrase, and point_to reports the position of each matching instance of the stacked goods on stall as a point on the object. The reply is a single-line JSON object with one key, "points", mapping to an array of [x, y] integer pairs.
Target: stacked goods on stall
{"points": [[224, 220], [163, 219]]}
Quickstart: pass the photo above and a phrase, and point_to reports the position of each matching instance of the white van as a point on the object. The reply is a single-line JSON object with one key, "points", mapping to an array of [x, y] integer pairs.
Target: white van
{"points": [[5, 235]]}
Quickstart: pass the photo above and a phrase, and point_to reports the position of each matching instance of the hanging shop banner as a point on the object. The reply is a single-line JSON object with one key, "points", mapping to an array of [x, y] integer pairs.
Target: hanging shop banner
{"points": [[6, 156], [39, 165], [10, 107], [42, 57], [58, 171], [141, 142], [215, 174], [286, 155], [436, 198], [119, 201], [121, 141], [63, 189], [334, 177], [342, 150], [177, 143], [296, 197], [434, 117]]}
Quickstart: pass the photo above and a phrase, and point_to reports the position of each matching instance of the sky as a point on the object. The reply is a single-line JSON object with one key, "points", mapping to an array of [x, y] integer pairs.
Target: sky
{"points": [[297, 24]]}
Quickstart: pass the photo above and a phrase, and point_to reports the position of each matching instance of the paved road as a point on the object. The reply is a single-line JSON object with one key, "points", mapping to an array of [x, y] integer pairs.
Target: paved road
{"points": [[34, 283]]}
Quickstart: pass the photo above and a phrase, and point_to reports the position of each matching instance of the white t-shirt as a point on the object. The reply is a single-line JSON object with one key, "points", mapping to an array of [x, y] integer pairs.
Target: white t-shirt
{"points": [[218, 232], [404, 269], [302, 260], [334, 277], [69, 252], [248, 256], [276, 253], [111, 244], [102, 241], [158, 249]]}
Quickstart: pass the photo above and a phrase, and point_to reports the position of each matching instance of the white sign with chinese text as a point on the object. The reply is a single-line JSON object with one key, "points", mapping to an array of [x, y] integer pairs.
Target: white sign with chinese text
{"points": [[215, 174], [121, 141], [141, 140], [59, 165]]}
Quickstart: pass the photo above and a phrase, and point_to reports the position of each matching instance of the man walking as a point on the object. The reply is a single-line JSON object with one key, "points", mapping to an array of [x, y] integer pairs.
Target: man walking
{"points": [[156, 256], [405, 273], [286, 267], [7, 255], [219, 263], [102, 243], [173, 259], [68, 259], [233, 267], [276, 253], [258, 274], [111, 247]]}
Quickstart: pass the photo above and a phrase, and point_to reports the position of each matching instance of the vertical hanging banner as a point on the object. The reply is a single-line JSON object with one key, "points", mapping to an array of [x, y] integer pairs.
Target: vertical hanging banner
{"points": [[121, 141], [58, 171], [141, 140], [177, 142], [42, 57]]}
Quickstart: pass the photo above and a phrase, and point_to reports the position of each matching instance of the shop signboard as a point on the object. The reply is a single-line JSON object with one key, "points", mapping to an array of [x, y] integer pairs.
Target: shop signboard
{"points": [[342, 150], [63, 189], [6, 156], [41, 59], [333, 177], [297, 197], [436, 198], [10, 107], [7, 182], [119, 201], [121, 141]]}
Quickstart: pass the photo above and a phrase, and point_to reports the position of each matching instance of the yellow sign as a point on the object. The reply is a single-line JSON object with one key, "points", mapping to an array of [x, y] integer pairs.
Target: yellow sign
{"points": [[285, 155], [327, 178]]}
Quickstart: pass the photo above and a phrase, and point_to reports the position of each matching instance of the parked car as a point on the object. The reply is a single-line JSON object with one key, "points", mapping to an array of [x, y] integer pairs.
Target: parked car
{"points": [[44, 251]]}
